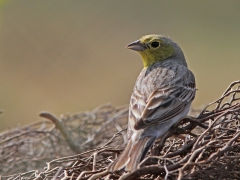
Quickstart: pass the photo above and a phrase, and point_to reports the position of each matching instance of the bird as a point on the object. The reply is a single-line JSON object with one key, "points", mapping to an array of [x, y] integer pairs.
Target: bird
{"points": [[162, 95]]}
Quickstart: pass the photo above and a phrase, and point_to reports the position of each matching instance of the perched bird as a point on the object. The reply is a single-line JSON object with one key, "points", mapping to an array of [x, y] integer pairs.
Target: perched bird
{"points": [[162, 96]]}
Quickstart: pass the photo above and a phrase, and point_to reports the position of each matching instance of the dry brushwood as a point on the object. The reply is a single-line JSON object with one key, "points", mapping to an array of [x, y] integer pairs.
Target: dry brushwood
{"points": [[183, 153], [30, 147]]}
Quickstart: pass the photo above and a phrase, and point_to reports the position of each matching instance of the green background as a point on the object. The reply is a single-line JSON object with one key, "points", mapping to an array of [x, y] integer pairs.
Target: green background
{"points": [[68, 56]]}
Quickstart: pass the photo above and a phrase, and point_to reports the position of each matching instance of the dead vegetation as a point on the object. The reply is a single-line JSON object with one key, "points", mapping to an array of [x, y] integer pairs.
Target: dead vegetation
{"points": [[81, 146]]}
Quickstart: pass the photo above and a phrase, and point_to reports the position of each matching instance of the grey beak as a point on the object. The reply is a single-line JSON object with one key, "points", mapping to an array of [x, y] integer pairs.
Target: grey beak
{"points": [[136, 46]]}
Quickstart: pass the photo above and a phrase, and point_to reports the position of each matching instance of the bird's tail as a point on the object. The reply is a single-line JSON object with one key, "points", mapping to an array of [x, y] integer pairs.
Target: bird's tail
{"points": [[132, 155]]}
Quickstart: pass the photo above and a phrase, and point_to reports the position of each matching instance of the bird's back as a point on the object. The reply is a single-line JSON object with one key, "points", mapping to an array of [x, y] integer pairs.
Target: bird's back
{"points": [[158, 87]]}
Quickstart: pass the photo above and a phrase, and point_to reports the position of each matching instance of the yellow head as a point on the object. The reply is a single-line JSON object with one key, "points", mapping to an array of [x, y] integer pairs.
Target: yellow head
{"points": [[154, 48]]}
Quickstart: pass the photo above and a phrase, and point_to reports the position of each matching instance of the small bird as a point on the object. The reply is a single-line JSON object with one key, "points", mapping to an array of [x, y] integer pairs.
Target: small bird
{"points": [[162, 95]]}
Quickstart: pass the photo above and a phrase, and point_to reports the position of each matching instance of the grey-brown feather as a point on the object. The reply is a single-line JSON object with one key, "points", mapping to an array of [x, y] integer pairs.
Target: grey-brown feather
{"points": [[132, 154], [171, 88]]}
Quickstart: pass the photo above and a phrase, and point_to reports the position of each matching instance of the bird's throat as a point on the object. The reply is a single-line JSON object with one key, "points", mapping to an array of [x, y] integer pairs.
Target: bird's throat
{"points": [[148, 60]]}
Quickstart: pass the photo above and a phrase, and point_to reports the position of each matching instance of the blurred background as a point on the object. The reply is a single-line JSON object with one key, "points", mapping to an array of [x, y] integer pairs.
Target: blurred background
{"points": [[69, 56]]}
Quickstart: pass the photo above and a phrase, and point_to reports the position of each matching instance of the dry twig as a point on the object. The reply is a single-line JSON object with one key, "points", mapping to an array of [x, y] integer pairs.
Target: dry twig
{"points": [[210, 148]]}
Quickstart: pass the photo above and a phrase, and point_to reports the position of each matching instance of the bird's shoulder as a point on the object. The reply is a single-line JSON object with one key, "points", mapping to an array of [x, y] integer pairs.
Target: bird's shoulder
{"points": [[163, 74], [160, 87]]}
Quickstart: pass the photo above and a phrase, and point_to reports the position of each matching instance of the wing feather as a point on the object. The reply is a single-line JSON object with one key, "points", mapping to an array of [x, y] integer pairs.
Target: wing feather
{"points": [[167, 100]]}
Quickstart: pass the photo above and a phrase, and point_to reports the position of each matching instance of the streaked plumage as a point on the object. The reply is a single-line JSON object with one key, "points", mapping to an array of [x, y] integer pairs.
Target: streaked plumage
{"points": [[162, 95]]}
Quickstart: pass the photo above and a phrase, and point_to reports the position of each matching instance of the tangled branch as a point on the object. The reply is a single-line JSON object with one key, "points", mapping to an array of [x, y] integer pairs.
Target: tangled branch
{"points": [[203, 147]]}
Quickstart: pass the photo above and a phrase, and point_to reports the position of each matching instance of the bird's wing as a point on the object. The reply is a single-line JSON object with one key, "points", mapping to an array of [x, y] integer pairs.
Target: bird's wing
{"points": [[167, 101]]}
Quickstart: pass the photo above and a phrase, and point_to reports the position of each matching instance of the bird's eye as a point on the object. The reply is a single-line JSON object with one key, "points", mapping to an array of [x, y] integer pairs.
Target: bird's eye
{"points": [[155, 44]]}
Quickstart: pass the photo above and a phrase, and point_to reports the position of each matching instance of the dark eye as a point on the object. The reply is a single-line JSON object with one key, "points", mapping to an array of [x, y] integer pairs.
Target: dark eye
{"points": [[155, 44]]}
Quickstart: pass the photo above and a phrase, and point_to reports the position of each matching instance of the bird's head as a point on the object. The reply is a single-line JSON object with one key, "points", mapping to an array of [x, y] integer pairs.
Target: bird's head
{"points": [[154, 48]]}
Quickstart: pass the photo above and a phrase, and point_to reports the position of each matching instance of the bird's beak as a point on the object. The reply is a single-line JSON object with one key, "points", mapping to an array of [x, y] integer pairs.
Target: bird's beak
{"points": [[136, 46]]}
